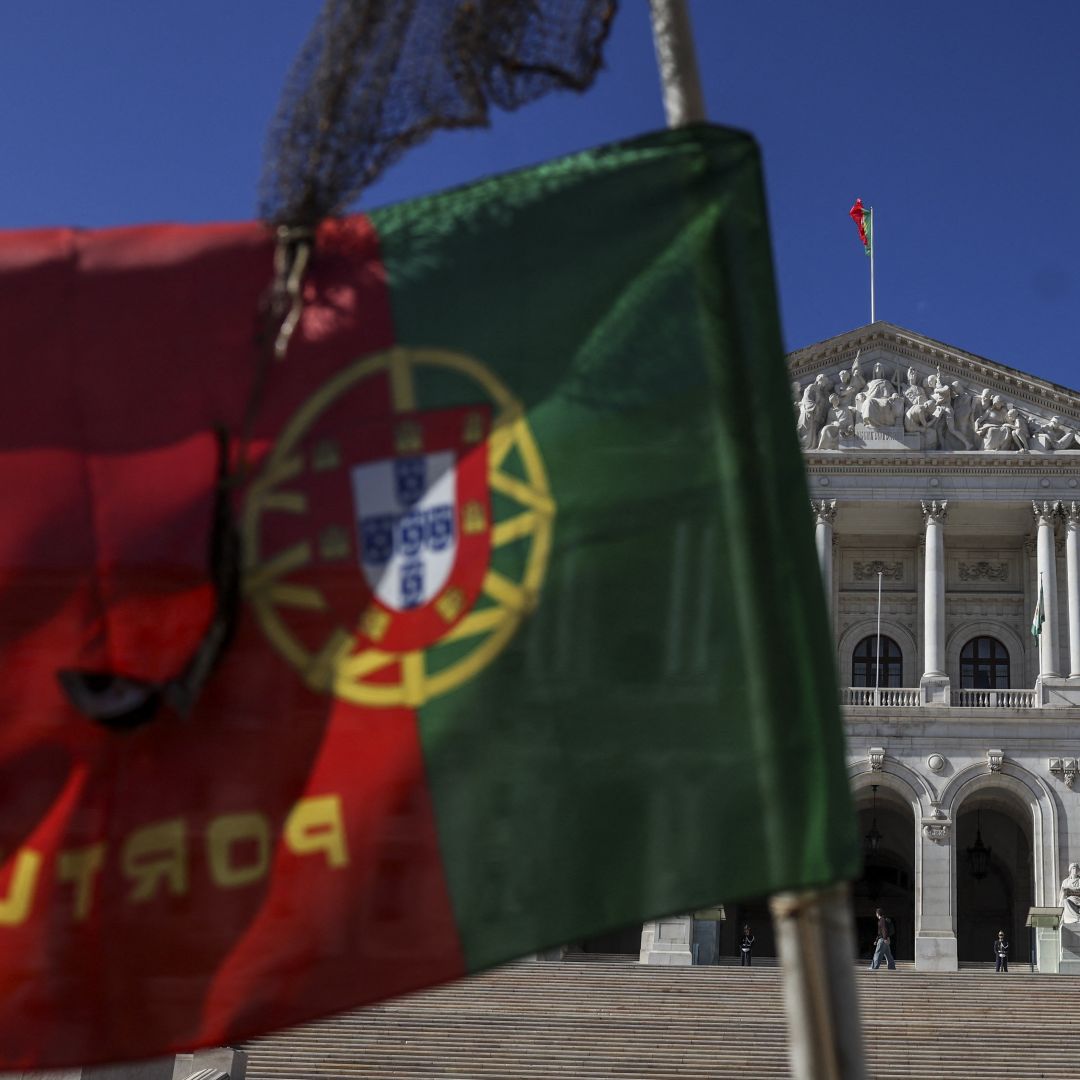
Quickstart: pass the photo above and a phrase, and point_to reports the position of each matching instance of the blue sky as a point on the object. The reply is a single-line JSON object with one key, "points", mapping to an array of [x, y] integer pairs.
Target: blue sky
{"points": [[956, 120]]}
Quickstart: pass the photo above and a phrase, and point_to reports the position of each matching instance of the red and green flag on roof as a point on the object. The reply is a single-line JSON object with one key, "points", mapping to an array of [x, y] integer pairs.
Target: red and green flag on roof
{"points": [[523, 533], [863, 216]]}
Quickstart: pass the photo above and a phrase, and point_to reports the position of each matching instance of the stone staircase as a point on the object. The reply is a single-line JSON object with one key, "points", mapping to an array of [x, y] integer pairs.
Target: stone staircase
{"points": [[607, 1019]]}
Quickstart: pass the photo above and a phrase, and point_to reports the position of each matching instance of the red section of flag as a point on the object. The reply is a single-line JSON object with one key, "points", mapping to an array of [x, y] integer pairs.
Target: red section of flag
{"points": [[272, 857], [858, 215]]}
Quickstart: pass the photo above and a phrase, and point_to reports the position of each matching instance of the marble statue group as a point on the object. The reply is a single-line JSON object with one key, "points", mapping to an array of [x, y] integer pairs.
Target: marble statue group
{"points": [[944, 415]]}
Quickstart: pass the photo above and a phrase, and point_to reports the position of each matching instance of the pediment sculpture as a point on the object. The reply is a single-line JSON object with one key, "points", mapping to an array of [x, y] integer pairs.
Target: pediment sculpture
{"points": [[906, 410]]}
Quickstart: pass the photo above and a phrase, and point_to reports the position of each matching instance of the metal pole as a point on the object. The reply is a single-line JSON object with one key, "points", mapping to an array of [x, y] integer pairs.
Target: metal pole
{"points": [[814, 933], [873, 238], [680, 84], [877, 657]]}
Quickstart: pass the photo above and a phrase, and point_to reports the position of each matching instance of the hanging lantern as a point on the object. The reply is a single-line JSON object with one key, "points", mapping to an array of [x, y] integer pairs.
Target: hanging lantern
{"points": [[978, 854], [872, 840]]}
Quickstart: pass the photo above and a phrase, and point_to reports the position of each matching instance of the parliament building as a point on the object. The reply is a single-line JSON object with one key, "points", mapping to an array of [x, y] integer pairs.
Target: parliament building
{"points": [[945, 492]]}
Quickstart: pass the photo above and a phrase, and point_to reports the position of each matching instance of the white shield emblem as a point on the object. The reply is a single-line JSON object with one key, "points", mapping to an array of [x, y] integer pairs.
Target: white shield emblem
{"points": [[406, 520]]}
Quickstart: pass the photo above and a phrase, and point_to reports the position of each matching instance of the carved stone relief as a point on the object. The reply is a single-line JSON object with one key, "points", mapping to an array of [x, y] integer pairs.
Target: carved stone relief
{"points": [[984, 570], [868, 571], [888, 407], [1064, 769], [860, 567], [936, 826]]}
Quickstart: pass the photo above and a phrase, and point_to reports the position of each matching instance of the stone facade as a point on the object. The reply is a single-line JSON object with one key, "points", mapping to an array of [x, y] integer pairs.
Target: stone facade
{"points": [[953, 485]]}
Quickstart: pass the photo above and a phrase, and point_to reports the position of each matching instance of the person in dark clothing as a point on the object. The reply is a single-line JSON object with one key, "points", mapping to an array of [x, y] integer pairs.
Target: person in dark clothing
{"points": [[882, 947], [1001, 952], [746, 946]]}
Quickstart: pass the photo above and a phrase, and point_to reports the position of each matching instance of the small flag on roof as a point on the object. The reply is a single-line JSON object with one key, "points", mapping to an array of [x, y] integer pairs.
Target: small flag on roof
{"points": [[863, 218]]}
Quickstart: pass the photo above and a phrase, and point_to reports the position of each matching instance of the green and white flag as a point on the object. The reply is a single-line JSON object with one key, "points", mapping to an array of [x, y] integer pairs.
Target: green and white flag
{"points": [[1039, 617]]}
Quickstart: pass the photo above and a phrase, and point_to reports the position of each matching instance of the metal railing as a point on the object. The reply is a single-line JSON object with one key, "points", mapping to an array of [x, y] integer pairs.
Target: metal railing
{"points": [[994, 699]]}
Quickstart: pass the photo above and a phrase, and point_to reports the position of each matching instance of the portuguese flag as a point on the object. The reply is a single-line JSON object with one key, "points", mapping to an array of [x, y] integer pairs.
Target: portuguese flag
{"points": [[863, 216], [530, 609]]}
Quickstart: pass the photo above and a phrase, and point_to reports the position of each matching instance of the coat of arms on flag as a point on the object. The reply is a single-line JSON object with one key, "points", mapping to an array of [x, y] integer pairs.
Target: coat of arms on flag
{"points": [[373, 530], [406, 515]]}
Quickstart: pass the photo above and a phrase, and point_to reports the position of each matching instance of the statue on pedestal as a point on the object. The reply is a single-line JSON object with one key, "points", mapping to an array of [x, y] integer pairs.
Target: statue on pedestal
{"points": [[1069, 896]]}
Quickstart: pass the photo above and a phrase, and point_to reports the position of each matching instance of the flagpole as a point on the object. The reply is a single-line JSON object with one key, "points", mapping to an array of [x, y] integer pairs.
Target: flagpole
{"points": [[815, 936], [877, 658], [814, 929], [873, 237], [680, 83]]}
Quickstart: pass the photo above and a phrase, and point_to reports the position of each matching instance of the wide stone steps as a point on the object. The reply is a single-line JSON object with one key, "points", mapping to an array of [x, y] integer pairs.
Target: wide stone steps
{"points": [[609, 1019]]}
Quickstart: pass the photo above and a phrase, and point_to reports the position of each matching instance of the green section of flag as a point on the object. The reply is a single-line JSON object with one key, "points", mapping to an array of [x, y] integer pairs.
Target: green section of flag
{"points": [[868, 229], [663, 731], [1039, 617]]}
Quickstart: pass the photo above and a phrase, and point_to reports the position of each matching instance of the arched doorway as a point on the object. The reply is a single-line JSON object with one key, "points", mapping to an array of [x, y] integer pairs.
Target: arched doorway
{"points": [[994, 875], [887, 829], [755, 914]]}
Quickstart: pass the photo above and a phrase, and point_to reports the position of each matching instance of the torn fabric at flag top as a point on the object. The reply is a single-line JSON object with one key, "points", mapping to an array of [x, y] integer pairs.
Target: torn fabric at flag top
{"points": [[530, 608]]}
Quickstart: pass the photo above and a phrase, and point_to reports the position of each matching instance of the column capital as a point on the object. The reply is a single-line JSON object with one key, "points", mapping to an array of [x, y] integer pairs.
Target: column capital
{"points": [[1045, 512], [1071, 513], [824, 511], [935, 511]]}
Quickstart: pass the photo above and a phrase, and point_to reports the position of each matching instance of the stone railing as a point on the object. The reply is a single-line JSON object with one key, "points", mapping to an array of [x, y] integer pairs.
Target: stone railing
{"points": [[896, 697], [994, 699], [910, 697]]}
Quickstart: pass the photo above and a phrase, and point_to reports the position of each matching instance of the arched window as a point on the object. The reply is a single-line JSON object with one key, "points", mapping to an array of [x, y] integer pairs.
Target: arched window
{"points": [[864, 667], [984, 665]]}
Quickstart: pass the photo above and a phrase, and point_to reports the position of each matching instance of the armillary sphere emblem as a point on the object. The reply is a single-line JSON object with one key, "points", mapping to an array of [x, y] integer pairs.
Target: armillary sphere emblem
{"points": [[399, 529]]}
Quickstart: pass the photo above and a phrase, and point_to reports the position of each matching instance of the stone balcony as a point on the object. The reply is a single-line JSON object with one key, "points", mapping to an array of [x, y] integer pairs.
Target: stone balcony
{"points": [[911, 697]]}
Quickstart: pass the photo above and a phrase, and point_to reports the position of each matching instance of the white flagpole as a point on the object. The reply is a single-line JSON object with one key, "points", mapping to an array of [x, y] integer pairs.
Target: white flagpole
{"points": [[680, 83], [873, 237], [877, 659], [814, 929]]}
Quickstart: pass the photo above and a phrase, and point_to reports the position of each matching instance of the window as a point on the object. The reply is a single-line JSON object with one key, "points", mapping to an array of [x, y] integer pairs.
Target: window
{"points": [[984, 665], [864, 668]]}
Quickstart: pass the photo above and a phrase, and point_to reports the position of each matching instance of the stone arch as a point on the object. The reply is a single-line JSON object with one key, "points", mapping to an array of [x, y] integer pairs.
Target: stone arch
{"points": [[897, 777], [909, 788], [889, 628], [987, 628], [1033, 794]]}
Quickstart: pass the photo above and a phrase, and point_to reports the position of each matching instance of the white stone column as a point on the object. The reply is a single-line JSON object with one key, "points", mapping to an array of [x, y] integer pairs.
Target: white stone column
{"points": [[824, 517], [934, 679], [1046, 554], [1072, 570], [935, 924]]}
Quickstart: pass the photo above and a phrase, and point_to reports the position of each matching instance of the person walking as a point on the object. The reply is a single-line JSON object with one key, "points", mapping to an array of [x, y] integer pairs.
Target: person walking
{"points": [[1001, 952], [885, 931], [746, 946]]}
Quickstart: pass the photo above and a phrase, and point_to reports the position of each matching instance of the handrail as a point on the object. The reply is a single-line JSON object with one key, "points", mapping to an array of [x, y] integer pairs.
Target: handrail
{"points": [[994, 699], [910, 697], [902, 697]]}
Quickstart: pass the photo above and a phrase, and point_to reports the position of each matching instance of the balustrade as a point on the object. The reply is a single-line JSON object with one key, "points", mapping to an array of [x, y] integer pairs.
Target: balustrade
{"points": [[909, 697], [896, 697], [994, 699]]}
